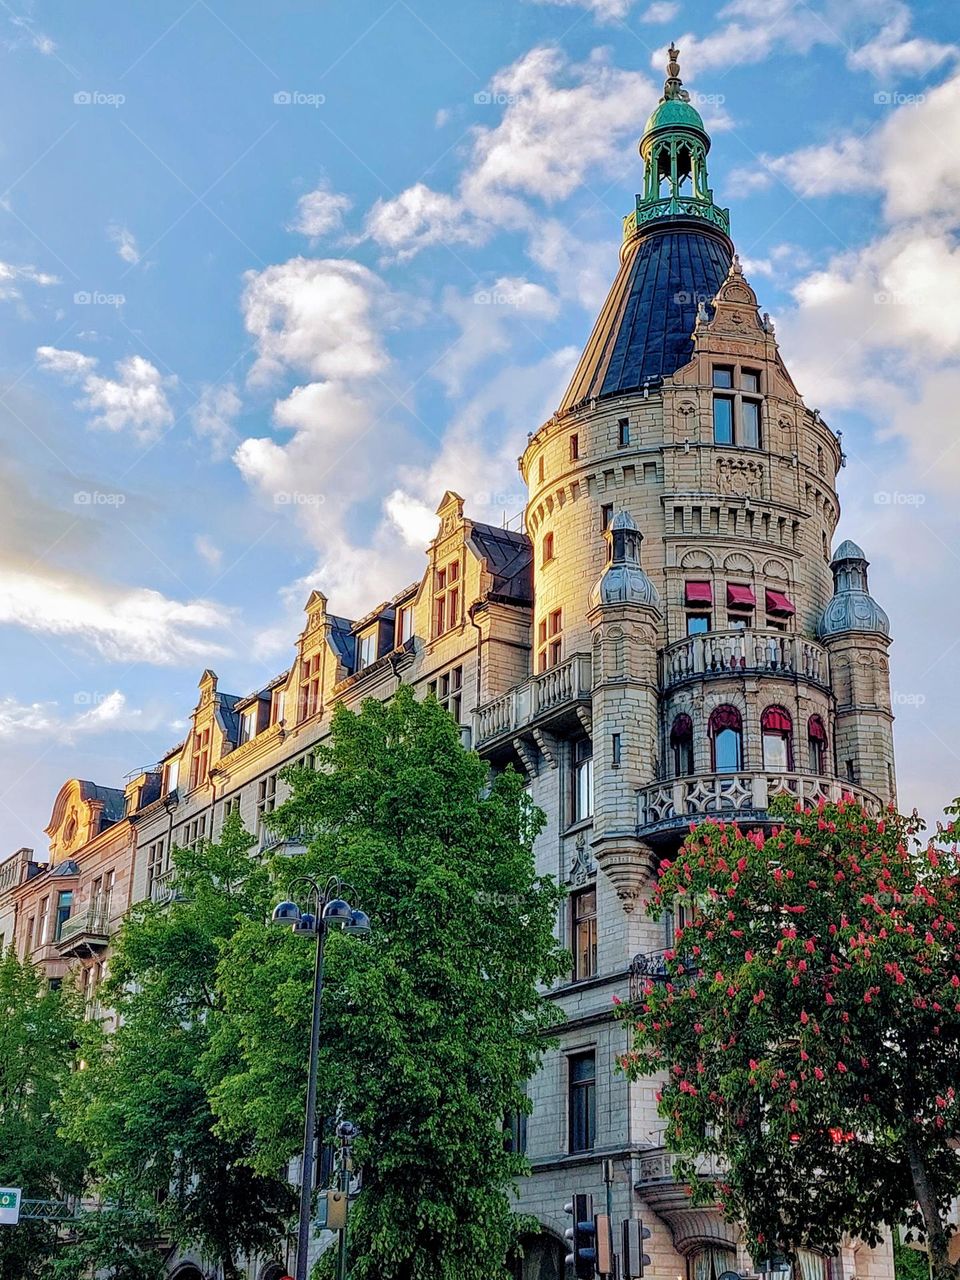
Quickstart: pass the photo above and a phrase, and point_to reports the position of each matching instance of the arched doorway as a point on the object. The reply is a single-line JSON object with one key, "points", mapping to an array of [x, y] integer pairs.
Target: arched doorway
{"points": [[187, 1272], [542, 1258]]}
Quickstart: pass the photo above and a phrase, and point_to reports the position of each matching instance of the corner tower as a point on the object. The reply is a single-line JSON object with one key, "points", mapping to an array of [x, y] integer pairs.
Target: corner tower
{"points": [[681, 414]]}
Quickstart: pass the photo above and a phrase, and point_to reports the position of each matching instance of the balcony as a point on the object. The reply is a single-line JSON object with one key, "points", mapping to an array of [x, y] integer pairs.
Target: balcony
{"points": [[88, 932], [667, 807], [548, 700], [163, 886], [659, 1188], [743, 651]]}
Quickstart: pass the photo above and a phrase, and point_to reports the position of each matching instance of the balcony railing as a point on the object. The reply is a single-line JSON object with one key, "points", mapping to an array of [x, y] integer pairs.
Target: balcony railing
{"points": [[539, 697], [667, 805], [656, 1166], [719, 653], [89, 928], [651, 966], [162, 886]]}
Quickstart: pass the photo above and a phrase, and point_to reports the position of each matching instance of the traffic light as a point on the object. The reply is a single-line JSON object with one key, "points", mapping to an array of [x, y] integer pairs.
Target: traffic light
{"points": [[634, 1259], [582, 1237]]}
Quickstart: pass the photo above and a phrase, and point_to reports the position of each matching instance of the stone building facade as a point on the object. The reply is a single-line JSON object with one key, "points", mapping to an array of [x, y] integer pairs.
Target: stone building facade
{"points": [[671, 638]]}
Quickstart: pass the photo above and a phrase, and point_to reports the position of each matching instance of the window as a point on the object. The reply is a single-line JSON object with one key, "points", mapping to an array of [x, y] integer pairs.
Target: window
{"points": [[64, 907], [101, 892], [266, 801], [816, 745], [547, 548], [776, 729], [157, 864], [698, 598], [726, 739], [309, 703], [583, 929], [681, 744], [540, 469], [623, 433], [606, 515], [741, 603], [582, 780], [550, 640], [446, 598], [574, 447], [809, 1266], [28, 943], [448, 691], [582, 1089], [201, 758], [248, 724], [697, 623], [43, 923], [278, 706], [367, 648], [171, 775], [229, 807], [515, 1132], [193, 832], [736, 406], [403, 629], [711, 1263]]}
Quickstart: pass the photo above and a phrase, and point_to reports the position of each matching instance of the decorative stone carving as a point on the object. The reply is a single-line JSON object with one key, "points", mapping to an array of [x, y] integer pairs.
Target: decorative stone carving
{"points": [[740, 477], [583, 867]]}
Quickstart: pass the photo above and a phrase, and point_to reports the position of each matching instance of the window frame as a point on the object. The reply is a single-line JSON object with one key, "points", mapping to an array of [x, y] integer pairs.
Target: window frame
{"points": [[623, 433], [771, 733], [582, 779], [736, 394], [583, 931], [581, 1103], [725, 719]]}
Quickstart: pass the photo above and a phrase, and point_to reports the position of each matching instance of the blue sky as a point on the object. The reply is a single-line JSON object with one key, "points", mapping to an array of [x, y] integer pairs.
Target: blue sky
{"points": [[273, 280]]}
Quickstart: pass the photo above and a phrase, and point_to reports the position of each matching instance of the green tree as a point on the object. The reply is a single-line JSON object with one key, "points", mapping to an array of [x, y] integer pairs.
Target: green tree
{"points": [[112, 1243], [38, 1034], [432, 1026], [141, 1105], [809, 1030]]}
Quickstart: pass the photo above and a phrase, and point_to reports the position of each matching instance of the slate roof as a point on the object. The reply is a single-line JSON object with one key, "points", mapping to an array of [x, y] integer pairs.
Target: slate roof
{"points": [[644, 330], [509, 557]]}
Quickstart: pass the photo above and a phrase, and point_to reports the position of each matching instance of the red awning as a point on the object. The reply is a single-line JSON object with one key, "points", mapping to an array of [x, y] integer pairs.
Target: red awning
{"points": [[699, 593], [740, 597], [815, 729], [776, 720], [777, 602]]}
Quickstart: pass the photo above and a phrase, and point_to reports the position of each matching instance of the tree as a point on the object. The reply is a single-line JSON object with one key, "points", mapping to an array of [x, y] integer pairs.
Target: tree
{"points": [[141, 1105], [432, 1026], [110, 1242], [38, 1031], [809, 1029]]}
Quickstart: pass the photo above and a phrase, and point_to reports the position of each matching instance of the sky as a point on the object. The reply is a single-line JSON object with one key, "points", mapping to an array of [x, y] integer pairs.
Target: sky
{"points": [[272, 278]]}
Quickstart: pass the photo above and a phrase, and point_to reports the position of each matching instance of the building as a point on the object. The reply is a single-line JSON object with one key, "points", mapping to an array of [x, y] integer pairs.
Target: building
{"points": [[670, 638]]}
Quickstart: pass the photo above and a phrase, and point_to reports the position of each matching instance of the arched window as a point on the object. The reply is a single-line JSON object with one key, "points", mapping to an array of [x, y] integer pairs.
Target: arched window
{"points": [[681, 744], [710, 1263], [816, 745], [776, 728], [726, 739]]}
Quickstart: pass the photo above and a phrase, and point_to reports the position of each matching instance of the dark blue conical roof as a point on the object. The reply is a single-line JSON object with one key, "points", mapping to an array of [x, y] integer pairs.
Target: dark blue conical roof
{"points": [[644, 331]]}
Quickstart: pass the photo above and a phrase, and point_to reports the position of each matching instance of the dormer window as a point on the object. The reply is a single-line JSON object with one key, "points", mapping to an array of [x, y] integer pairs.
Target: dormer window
{"points": [[201, 758], [446, 598], [248, 724], [367, 648], [278, 706], [736, 406], [171, 775], [403, 627], [309, 687]]}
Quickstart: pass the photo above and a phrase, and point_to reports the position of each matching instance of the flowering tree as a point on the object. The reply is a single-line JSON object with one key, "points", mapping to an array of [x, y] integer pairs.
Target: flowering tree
{"points": [[808, 1031]]}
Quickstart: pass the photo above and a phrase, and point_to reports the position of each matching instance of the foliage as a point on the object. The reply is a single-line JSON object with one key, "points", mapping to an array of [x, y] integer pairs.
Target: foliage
{"points": [[141, 1105], [112, 1243], [810, 1027], [431, 1026], [38, 1028]]}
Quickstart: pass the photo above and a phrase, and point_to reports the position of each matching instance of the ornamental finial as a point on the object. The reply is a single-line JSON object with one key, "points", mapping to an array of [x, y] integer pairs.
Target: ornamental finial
{"points": [[673, 85]]}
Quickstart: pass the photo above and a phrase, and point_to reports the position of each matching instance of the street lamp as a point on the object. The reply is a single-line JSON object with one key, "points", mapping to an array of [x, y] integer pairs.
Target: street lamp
{"points": [[332, 911]]}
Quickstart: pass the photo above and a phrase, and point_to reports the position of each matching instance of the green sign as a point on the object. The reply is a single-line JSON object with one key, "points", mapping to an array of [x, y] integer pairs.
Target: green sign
{"points": [[9, 1206]]}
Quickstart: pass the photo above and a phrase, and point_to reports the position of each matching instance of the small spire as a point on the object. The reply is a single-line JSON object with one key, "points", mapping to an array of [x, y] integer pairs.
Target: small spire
{"points": [[673, 85]]}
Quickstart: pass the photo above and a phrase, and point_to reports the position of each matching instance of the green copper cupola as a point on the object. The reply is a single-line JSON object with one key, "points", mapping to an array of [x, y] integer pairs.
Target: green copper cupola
{"points": [[674, 148]]}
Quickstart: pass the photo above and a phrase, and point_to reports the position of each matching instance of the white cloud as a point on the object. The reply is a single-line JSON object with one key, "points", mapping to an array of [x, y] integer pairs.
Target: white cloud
{"points": [[214, 416], [135, 398], [314, 316], [208, 550], [122, 624], [110, 713], [11, 276], [320, 211], [893, 52], [602, 10], [660, 11], [824, 170], [561, 121], [125, 242]]}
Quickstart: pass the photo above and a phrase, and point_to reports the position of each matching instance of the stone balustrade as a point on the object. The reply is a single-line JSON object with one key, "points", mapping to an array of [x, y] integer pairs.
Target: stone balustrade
{"points": [[761, 652], [554, 690], [89, 928], [736, 796]]}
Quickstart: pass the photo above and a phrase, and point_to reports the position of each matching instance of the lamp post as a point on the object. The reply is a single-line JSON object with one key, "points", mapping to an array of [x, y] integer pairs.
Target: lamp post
{"points": [[332, 911]]}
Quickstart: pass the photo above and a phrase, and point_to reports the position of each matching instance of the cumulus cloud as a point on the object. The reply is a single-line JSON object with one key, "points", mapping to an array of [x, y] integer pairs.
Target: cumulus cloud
{"points": [[660, 11], [320, 211], [12, 276], [893, 52], [420, 217], [110, 713], [214, 416], [136, 397], [602, 10], [125, 242], [314, 316]]}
